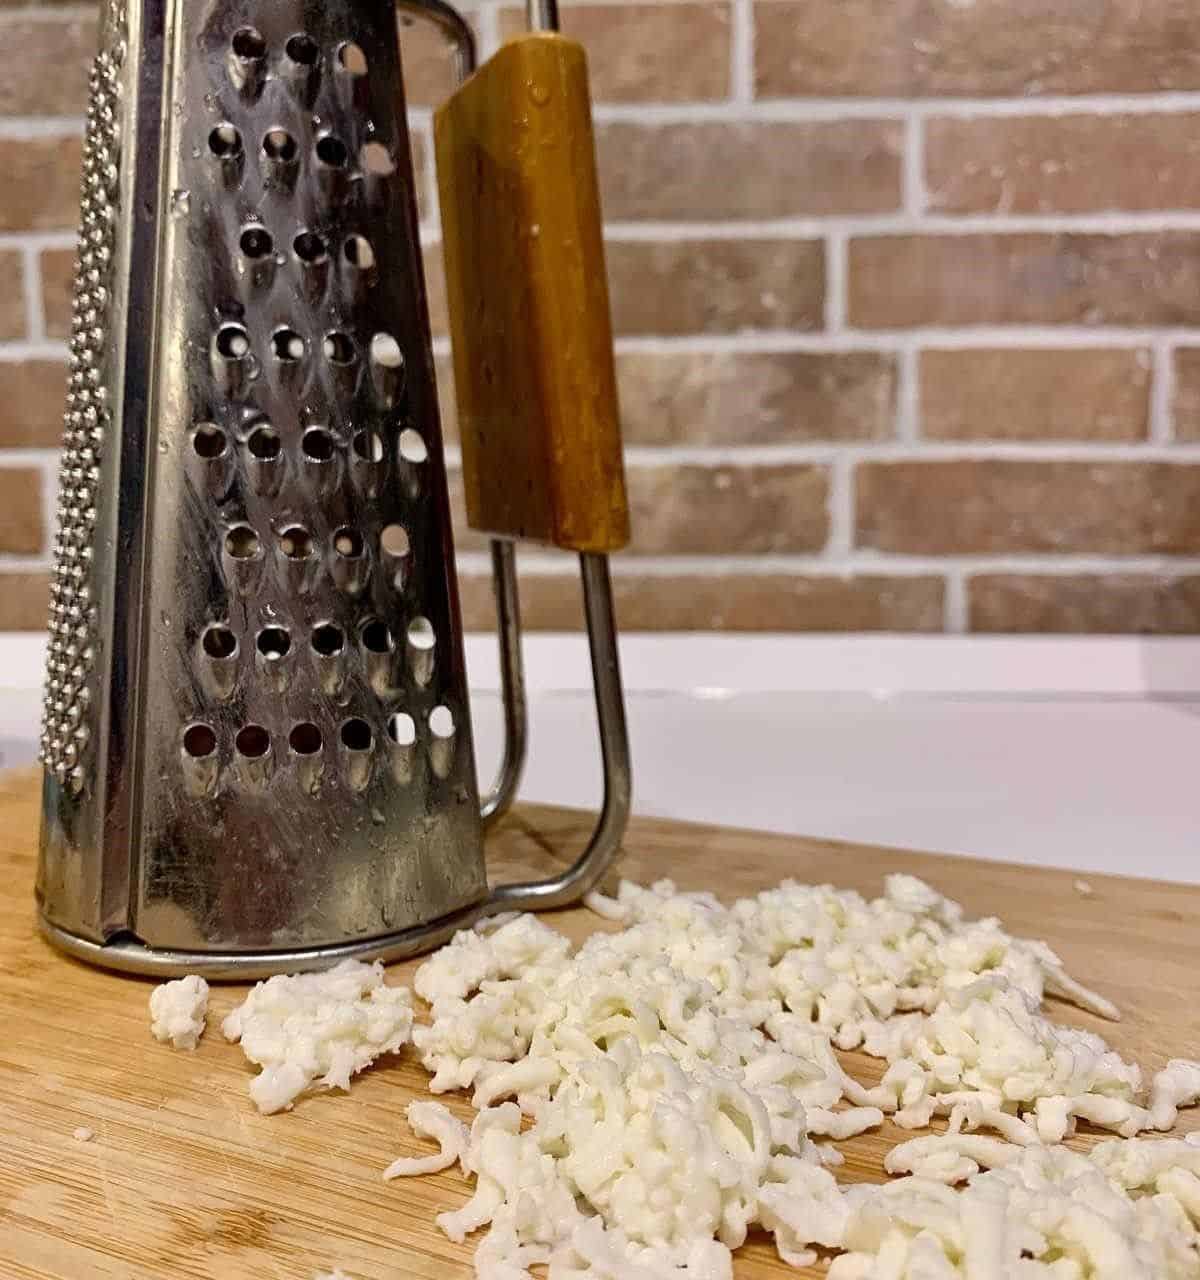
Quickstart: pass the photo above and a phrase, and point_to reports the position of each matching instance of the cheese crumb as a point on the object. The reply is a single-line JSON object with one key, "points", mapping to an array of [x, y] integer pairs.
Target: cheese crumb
{"points": [[318, 1027], [177, 1011], [83, 1134]]}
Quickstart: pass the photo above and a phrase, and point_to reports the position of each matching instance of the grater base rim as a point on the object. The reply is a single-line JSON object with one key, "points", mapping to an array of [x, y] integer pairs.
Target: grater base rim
{"points": [[128, 955]]}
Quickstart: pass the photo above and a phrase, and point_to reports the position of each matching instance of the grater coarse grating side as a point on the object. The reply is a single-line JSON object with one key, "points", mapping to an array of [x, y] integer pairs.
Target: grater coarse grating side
{"points": [[256, 734]]}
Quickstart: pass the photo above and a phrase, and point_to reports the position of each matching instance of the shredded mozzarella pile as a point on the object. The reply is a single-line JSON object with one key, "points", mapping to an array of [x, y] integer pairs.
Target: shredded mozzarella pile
{"points": [[178, 1010], [676, 1072], [1126, 1211], [318, 1027]]}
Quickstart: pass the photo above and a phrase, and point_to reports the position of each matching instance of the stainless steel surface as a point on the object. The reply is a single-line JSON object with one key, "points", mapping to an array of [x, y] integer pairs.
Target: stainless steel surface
{"points": [[601, 851], [499, 799], [280, 761], [541, 15], [454, 26]]}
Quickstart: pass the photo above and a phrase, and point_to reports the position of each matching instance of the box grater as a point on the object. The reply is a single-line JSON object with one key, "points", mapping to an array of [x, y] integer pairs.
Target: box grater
{"points": [[257, 740]]}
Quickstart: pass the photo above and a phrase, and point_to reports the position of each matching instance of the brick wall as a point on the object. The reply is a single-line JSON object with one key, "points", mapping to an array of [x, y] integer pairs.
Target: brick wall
{"points": [[907, 295]]}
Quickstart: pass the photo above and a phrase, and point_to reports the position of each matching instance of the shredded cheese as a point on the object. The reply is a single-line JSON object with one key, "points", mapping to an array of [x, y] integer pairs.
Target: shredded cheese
{"points": [[178, 1010], [317, 1027]]}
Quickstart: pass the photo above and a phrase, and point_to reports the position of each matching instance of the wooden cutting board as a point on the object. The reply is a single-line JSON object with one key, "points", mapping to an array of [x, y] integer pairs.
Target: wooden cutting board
{"points": [[184, 1179]]}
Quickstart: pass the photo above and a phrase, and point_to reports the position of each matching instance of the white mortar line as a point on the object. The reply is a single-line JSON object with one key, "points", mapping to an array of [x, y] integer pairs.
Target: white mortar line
{"points": [[40, 458], [956, 617], [908, 410], [840, 506], [1108, 223], [912, 174], [1162, 392], [32, 128], [488, 34], [35, 312], [18, 352], [854, 562], [803, 109], [982, 337], [741, 51], [825, 452], [37, 240], [835, 281]]}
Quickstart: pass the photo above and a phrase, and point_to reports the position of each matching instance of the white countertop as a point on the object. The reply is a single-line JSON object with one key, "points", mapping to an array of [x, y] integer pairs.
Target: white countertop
{"points": [[1075, 752]]}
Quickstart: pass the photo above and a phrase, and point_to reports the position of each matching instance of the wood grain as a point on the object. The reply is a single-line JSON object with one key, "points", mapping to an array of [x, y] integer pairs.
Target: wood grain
{"points": [[527, 294], [185, 1180]]}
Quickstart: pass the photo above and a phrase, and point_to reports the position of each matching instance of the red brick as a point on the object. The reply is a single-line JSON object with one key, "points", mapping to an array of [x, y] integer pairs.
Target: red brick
{"points": [[748, 170], [21, 526], [716, 286], [58, 278], [1063, 164], [12, 296], [647, 52], [778, 397], [427, 60], [1148, 278], [24, 601], [47, 58], [41, 188], [1186, 408], [1143, 604], [696, 510], [722, 602], [692, 510], [1010, 394], [993, 506], [987, 48], [32, 394]]}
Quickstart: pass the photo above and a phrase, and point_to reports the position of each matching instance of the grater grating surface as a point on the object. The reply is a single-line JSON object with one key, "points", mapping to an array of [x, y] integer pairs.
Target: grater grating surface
{"points": [[283, 756], [70, 693]]}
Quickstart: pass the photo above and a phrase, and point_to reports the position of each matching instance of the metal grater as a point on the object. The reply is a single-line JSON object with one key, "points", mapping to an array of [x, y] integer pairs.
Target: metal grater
{"points": [[256, 737]]}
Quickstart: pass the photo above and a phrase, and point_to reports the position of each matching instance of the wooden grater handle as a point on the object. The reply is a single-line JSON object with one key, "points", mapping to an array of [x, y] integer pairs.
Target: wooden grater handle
{"points": [[528, 300]]}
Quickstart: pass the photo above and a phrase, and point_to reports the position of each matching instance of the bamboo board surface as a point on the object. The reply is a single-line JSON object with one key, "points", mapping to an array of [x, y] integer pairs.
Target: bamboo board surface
{"points": [[185, 1180]]}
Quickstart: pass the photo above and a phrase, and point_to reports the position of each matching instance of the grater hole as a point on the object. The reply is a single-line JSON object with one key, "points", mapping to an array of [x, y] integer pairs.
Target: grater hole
{"points": [[256, 242], [385, 351], [328, 639], [309, 247], [199, 741], [412, 446], [273, 643], [331, 151], [402, 729], [394, 541], [208, 440], [351, 59], [232, 341], [358, 252], [264, 443], [338, 347], [225, 142], [278, 144], [219, 642], [348, 542], [356, 735], [441, 722], [248, 44], [303, 50], [296, 542], [287, 345], [420, 633], [368, 446], [376, 160], [252, 741], [241, 542], [317, 444], [376, 637], [305, 739]]}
